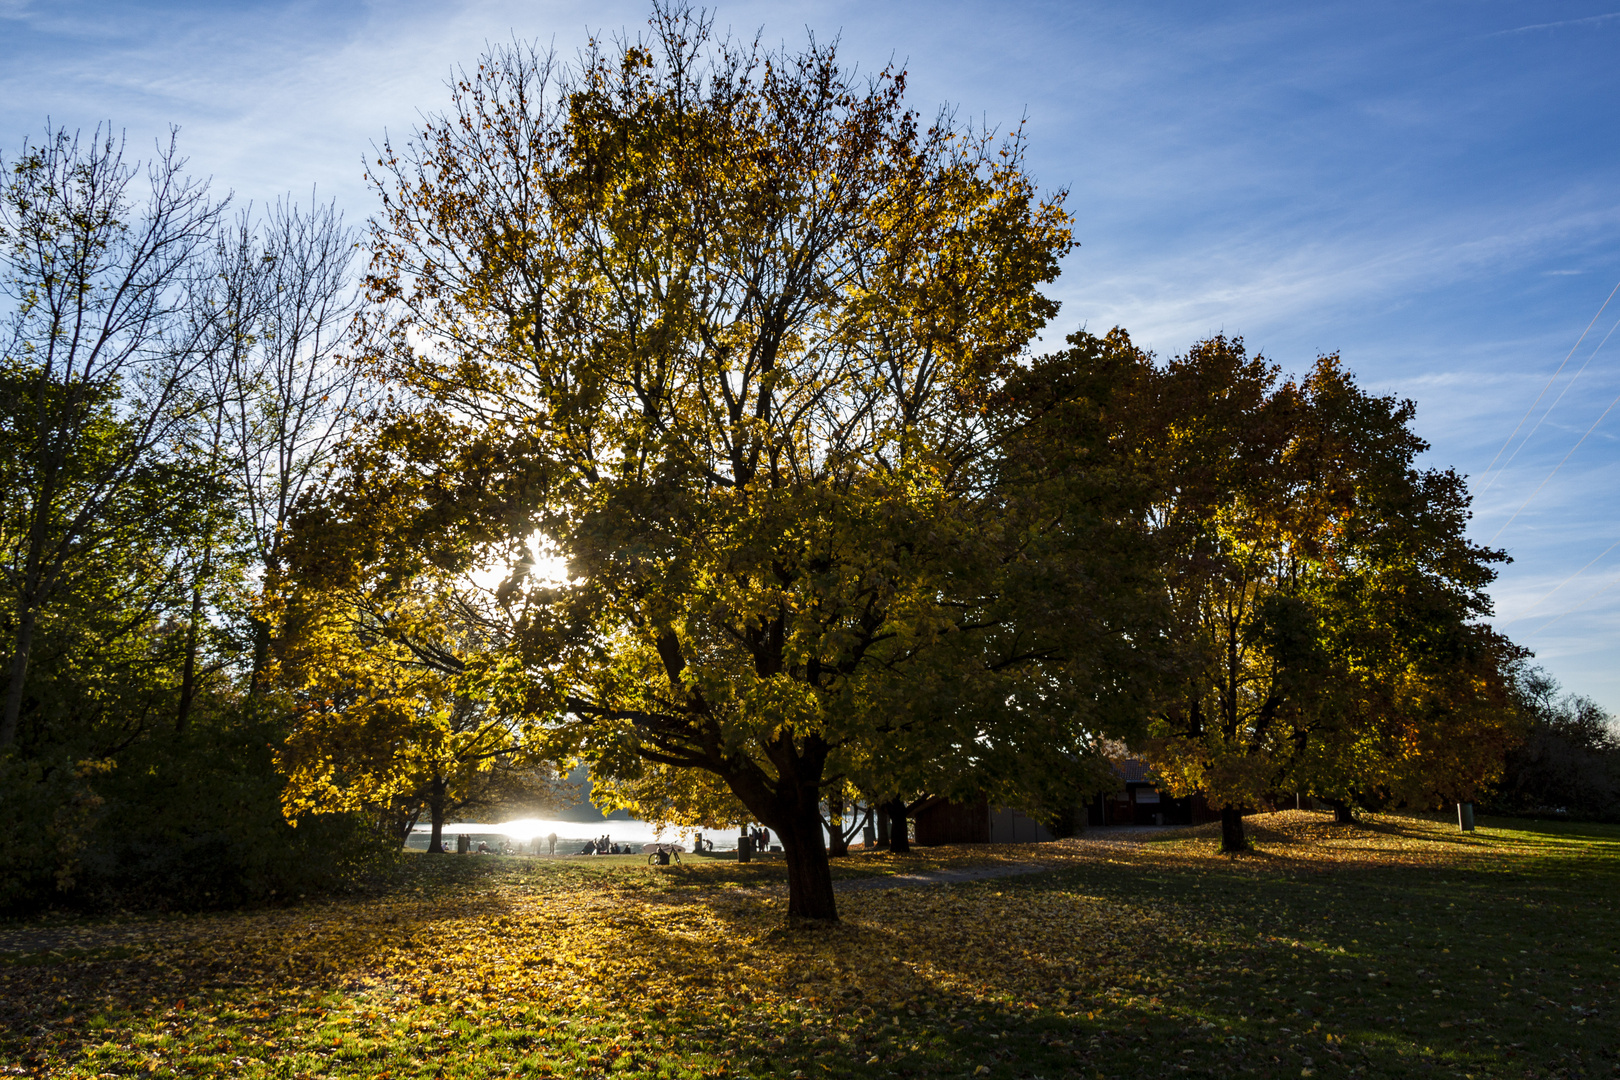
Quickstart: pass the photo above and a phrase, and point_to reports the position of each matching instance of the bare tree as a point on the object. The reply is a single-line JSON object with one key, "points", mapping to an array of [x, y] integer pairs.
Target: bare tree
{"points": [[276, 311], [226, 311], [289, 390], [99, 352]]}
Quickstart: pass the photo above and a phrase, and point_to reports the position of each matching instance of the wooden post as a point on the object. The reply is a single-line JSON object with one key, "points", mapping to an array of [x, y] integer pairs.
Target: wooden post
{"points": [[1465, 816]]}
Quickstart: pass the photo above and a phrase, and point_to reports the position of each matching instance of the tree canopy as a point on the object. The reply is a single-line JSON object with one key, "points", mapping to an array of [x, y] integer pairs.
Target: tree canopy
{"points": [[735, 333], [167, 381], [1325, 592]]}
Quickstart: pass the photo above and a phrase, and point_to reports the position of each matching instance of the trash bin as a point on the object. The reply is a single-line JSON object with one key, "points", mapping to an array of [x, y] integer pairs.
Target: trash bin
{"points": [[745, 849], [463, 844]]}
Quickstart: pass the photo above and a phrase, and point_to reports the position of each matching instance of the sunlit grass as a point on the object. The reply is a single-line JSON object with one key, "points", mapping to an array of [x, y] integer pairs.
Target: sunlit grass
{"points": [[1398, 949]]}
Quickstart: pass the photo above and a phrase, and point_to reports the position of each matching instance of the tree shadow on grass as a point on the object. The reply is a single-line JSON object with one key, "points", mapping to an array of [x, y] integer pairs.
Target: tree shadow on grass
{"points": [[1172, 958]]}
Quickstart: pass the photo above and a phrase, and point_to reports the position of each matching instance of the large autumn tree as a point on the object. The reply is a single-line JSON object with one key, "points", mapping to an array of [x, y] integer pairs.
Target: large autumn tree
{"points": [[1325, 591], [725, 328]]}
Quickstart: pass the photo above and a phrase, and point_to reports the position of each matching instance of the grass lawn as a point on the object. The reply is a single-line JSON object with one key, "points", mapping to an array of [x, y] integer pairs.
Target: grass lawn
{"points": [[1400, 948]]}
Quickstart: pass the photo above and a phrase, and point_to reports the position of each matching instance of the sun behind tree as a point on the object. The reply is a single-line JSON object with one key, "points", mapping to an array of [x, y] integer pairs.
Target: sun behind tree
{"points": [[727, 326]]}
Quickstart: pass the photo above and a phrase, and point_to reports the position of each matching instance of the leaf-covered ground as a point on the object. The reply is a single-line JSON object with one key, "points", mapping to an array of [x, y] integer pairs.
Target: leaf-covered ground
{"points": [[1398, 949]]}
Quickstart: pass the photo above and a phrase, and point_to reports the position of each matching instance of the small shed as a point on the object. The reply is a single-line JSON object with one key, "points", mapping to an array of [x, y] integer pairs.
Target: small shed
{"points": [[940, 821], [1139, 801]]}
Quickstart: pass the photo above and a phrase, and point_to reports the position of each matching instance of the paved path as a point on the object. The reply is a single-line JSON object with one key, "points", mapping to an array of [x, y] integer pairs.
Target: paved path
{"points": [[98, 936], [1121, 834], [940, 877]]}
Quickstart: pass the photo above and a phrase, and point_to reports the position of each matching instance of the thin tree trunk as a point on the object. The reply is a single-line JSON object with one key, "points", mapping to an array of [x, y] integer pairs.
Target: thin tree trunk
{"points": [[436, 808], [837, 839], [28, 605], [261, 655], [16, 673], [410, 823], [895, 811], [1232, 838], [882, 829], [188, 678]]}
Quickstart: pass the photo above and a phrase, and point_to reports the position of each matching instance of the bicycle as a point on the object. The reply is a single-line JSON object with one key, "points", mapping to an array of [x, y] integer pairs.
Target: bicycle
{"points": [[663, 855]]}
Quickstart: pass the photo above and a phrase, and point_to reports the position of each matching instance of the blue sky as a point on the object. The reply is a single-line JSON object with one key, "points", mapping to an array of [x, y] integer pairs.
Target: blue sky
{"points": [[1430, 188]]}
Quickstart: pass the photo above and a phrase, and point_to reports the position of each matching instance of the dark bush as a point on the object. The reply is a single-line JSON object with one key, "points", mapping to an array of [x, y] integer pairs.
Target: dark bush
{"points": [[174, 822]]}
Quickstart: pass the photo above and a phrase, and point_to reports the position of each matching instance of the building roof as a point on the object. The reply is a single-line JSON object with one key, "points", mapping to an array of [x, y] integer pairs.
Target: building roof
{"points": [[1132, 770]]}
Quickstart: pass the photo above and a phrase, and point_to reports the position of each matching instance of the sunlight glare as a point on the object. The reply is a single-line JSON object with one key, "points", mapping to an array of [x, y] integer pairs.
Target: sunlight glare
{"points": [[548, 567]]}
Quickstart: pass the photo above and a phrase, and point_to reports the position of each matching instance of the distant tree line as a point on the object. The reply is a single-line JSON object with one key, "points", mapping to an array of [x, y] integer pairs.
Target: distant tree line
{"points": [[744, 344], [1567, 763]]}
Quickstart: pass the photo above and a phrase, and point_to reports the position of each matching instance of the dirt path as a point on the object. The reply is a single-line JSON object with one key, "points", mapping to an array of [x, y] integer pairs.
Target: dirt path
{"points": [[1121, 834]]}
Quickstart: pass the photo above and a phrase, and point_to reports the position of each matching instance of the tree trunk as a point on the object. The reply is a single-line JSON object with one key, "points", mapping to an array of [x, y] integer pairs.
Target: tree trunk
{"points": [[436, 809], [261, 655], [17, 672], [1064, 823], [895, 811], [864, 828], [837, 839], [882, 830], [188, 677], [789, 804], [409, 824], [810, 891], [1232, 838], [1342, 814], [34, 592]]}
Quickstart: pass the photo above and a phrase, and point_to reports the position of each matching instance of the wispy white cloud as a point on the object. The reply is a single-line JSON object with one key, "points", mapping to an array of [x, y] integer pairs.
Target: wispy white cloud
{"points": [[1260, 280], [1590, 20]]}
